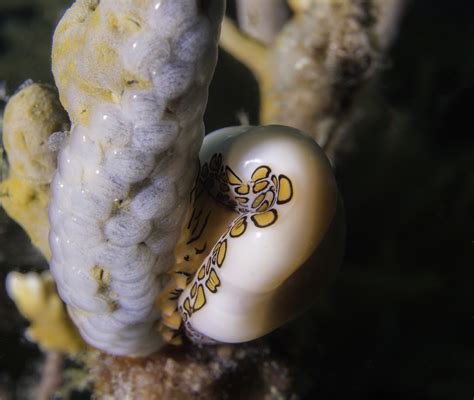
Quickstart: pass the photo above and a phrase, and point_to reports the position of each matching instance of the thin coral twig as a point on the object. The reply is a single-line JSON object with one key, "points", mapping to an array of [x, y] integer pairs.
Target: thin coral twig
{"points": [[51, 376], [248, 51]]}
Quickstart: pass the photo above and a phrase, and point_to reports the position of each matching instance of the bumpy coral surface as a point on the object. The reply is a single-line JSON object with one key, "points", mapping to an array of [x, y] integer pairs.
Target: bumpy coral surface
{"points": [[248, 371], [310, 73], [31, 116], [134, 78]]}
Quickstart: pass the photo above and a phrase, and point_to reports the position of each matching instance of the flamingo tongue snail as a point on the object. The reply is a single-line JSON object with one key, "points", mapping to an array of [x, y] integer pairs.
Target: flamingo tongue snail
{"points": [[266, 209]]}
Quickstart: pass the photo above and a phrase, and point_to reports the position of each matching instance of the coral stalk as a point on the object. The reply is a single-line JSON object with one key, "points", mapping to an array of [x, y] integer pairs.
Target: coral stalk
{"points": [[36, 298], [262, 19], [310, 74], [133, 77]]}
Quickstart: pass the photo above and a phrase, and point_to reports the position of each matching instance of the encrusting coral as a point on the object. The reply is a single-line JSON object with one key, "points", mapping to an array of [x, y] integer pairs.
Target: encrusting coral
{"points": [[247, 371], [31, 116], [36, 297]]}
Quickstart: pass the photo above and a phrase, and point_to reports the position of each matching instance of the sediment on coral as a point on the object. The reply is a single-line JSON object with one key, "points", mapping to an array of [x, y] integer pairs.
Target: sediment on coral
{"points": [[311, 73], [31, 116], [247, 371]]}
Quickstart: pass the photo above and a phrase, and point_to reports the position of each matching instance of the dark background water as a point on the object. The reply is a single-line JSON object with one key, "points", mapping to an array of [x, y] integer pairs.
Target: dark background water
{"points": [[398, 323]]}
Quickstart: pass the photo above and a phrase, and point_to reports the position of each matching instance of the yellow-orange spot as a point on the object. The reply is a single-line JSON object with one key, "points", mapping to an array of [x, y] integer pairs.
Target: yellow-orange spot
{"points": [[105, 55], [83, 116], [101, 276], [239, 228], [265, 219], [131, 80], [258, 200], [232, 178], [200, 300], [260, 173], [285, 191], [213, 282], [201, 272], [194, 290], [274, 180], [242, 200], [243, 189], [208, 266], [258, 187], [221, 254], [112, 21], [263, 207]]}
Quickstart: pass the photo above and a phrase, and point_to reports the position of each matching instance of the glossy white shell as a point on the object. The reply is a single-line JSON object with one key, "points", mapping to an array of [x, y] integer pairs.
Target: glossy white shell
{"points": [[276, 268]]}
